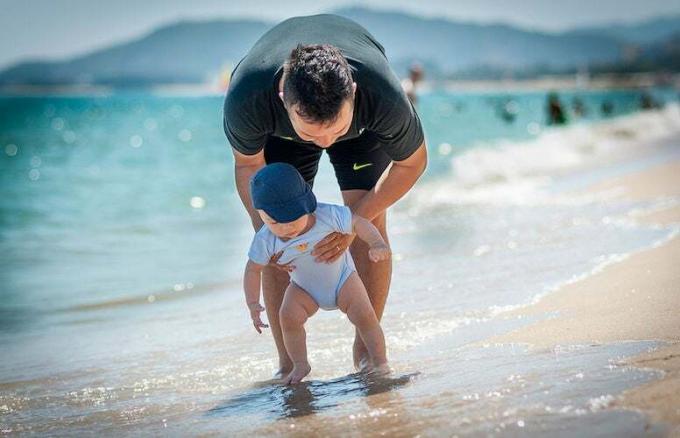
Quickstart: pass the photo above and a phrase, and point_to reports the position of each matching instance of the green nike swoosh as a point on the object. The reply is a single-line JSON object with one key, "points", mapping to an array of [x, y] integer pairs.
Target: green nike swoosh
{"points": [[361, 166]]}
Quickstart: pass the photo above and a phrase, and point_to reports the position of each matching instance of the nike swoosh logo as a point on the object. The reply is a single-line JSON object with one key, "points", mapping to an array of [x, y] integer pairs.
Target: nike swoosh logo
{"points": [[361, 166]]}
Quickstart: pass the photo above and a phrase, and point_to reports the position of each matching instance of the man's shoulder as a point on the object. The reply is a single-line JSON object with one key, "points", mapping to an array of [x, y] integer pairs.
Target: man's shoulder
{"points": [[248, 86]]}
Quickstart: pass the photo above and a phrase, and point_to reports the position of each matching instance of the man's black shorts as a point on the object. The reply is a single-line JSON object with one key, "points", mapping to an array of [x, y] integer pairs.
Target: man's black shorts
{"points": [[358, 162]]}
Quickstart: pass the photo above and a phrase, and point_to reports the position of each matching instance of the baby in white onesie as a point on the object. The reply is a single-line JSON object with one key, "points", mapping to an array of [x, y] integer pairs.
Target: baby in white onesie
{"points": [[293, 224]]}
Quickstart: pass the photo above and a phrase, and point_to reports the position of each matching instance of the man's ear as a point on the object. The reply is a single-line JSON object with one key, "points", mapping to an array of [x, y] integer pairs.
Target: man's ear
{"points": [[354, 87], [281, 96]]}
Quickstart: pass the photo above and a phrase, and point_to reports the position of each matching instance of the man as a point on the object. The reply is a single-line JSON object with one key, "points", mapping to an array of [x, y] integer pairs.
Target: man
{"points": [[323, 83]]}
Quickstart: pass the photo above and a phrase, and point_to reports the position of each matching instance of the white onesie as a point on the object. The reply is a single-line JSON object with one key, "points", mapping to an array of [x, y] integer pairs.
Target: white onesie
{"points": [[322, 281]]}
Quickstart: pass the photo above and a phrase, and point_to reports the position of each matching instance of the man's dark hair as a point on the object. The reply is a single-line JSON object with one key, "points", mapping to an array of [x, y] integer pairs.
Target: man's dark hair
{"points": [[318, 80]]}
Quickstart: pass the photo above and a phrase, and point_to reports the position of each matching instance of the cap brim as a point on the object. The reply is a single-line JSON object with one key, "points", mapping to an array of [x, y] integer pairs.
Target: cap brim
{"points": [[293, 211]]}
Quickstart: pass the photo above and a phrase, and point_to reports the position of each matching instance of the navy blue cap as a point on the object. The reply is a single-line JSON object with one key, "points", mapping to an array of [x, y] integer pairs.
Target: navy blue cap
{"points": [[281, 192]]}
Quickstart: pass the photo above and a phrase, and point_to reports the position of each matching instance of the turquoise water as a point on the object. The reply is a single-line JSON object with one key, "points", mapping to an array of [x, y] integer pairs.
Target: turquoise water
{"points": [[100, 188], [123, 242]]}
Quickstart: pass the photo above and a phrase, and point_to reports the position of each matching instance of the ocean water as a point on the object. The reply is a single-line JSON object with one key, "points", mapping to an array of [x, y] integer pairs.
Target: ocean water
{"points": [[123, 243]]}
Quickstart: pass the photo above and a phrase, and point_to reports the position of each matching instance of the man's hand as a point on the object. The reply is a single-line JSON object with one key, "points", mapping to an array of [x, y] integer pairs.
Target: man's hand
{"points": [[331, 247], [273, 261], [379, 252], [255, 310]]}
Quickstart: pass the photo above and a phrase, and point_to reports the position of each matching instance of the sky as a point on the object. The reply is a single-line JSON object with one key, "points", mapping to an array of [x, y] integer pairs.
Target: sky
{"points": [[59, 29]]}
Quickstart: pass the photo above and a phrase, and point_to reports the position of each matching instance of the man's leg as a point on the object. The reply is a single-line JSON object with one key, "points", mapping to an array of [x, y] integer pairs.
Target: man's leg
{"points": [[274, 283], [375, 276]]}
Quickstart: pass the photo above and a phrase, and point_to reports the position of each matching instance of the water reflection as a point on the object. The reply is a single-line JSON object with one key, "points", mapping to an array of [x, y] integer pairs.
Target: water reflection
{"points": [[280, 402]]}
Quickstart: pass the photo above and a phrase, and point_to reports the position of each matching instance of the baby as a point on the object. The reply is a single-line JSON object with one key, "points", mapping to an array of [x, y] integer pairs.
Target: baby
{"points": [[293, 224]]}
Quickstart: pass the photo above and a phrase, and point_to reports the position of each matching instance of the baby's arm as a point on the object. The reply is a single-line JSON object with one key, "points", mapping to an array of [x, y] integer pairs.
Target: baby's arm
{"points": [[378, 249], [251, 285]]}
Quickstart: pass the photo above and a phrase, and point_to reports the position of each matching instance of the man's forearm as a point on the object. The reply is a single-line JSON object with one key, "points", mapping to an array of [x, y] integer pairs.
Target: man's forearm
{"points": [[242, 175], [393, 185]]}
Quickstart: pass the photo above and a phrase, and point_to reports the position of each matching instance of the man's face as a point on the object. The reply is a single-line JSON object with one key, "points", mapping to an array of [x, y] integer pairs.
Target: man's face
{"points": [[323, 134]]}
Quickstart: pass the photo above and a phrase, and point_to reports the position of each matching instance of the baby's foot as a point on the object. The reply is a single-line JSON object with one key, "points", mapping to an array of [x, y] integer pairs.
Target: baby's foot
{"points": [[300, 370]]}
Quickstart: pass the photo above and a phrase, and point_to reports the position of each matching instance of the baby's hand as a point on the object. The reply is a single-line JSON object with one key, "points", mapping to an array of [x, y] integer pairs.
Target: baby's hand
{"points": [[379, 252], [255, 310]]}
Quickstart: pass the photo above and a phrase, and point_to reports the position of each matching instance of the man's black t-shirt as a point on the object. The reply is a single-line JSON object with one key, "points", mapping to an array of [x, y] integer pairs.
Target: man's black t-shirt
{"points": [[253, 109]]}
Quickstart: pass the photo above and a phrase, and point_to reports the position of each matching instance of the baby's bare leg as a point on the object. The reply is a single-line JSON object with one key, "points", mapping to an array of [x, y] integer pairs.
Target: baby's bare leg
{"points": [[297, 306], [353, 300]]}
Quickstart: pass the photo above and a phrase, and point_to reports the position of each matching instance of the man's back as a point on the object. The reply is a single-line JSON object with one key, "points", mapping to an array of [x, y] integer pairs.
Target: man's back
{"points": [[253, 110], [265, 59]]}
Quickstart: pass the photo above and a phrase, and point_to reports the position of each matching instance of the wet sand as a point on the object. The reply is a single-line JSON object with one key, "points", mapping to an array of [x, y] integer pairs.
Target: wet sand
{"points": [[635, 299]]}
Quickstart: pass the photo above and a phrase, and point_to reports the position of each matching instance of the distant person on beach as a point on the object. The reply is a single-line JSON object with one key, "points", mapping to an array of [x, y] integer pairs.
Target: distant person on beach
{"points": [[647, 102], [607, 108], [410, 84], [579, 107], [323, 83], [555, 111], [293, 223], [508, 109]]}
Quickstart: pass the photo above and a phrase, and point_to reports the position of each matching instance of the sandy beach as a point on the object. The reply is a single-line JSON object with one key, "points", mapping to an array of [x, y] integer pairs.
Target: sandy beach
{"points": [[637, 298]]}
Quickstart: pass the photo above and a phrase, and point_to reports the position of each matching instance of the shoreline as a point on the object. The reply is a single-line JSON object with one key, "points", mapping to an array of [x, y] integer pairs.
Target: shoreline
{"points": [[555, 82], [637, 299]]}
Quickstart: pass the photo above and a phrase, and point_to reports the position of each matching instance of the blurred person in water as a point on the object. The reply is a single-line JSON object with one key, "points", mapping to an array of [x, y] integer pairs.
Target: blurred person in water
{"points": [[315, 84], [555, 111], [410, 84]]}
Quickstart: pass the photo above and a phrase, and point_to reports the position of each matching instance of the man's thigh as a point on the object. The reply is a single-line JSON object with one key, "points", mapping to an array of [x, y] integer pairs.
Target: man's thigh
{"points": [[304, 157], [358, 162]]}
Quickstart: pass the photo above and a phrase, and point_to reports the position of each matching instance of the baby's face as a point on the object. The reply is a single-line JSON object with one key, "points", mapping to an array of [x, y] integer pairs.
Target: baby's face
{"points": [[285, 230]]}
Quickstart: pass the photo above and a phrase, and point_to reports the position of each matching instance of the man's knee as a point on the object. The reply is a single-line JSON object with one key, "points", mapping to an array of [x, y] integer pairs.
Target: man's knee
{"points": [[380, 222]]}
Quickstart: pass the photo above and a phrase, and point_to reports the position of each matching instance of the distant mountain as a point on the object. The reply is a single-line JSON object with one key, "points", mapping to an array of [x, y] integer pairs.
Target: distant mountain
{"points": [[197, 51], [663, 56], [647, 32], [185, 52], [456, 46]]}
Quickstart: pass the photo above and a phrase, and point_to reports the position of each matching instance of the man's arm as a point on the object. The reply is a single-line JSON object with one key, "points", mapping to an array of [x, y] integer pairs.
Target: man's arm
{"points": [[395, 183], [244, 167]]}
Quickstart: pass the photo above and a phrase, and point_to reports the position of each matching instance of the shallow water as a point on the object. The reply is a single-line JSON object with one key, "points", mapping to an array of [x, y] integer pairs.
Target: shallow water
{"points": [[123, 243]]}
